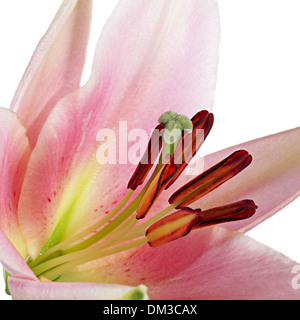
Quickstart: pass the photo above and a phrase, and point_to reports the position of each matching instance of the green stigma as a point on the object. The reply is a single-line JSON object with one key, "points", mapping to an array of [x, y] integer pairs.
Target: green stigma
{"points": [[174, 124], [172, 118]]}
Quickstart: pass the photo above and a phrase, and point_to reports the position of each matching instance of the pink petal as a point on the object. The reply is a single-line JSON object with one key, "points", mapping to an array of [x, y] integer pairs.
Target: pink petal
{"points": [[12, 261], [231, 266], [14, 155], [35, 290], [67, 146], [272, 180], [56, 66], [154, 56], [64, 181], [211, 263]]}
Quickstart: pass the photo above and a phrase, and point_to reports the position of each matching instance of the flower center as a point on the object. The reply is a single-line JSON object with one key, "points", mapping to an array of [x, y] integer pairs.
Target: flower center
{"points": [[174, 143]]}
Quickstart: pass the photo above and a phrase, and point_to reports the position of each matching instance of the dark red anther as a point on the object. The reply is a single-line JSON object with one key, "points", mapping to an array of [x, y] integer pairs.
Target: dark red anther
{"points": [[191, 142], [212, 178], [155, 188], [235, 211], [149, 158], [203, 120]]}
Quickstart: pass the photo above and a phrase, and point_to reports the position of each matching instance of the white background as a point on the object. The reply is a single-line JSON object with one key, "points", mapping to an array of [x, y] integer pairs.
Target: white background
{"points": [[258, 82]]}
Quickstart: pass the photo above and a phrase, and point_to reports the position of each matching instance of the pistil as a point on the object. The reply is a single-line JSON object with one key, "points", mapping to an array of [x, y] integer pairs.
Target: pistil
{"points": [[189, 144]]}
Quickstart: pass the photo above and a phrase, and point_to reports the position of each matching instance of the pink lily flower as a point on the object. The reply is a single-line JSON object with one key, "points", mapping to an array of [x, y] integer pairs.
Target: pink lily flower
{"points": [[152, 56]]}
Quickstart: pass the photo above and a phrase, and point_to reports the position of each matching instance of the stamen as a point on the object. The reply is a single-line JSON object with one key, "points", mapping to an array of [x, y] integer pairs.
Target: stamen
{"points": [[149, 158], [110, 242], [139, 231], [109, 228], [173, 226], [89, 255], [85, 232], [180, 223], [212, 178], [240, 210], [155, 188]]}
